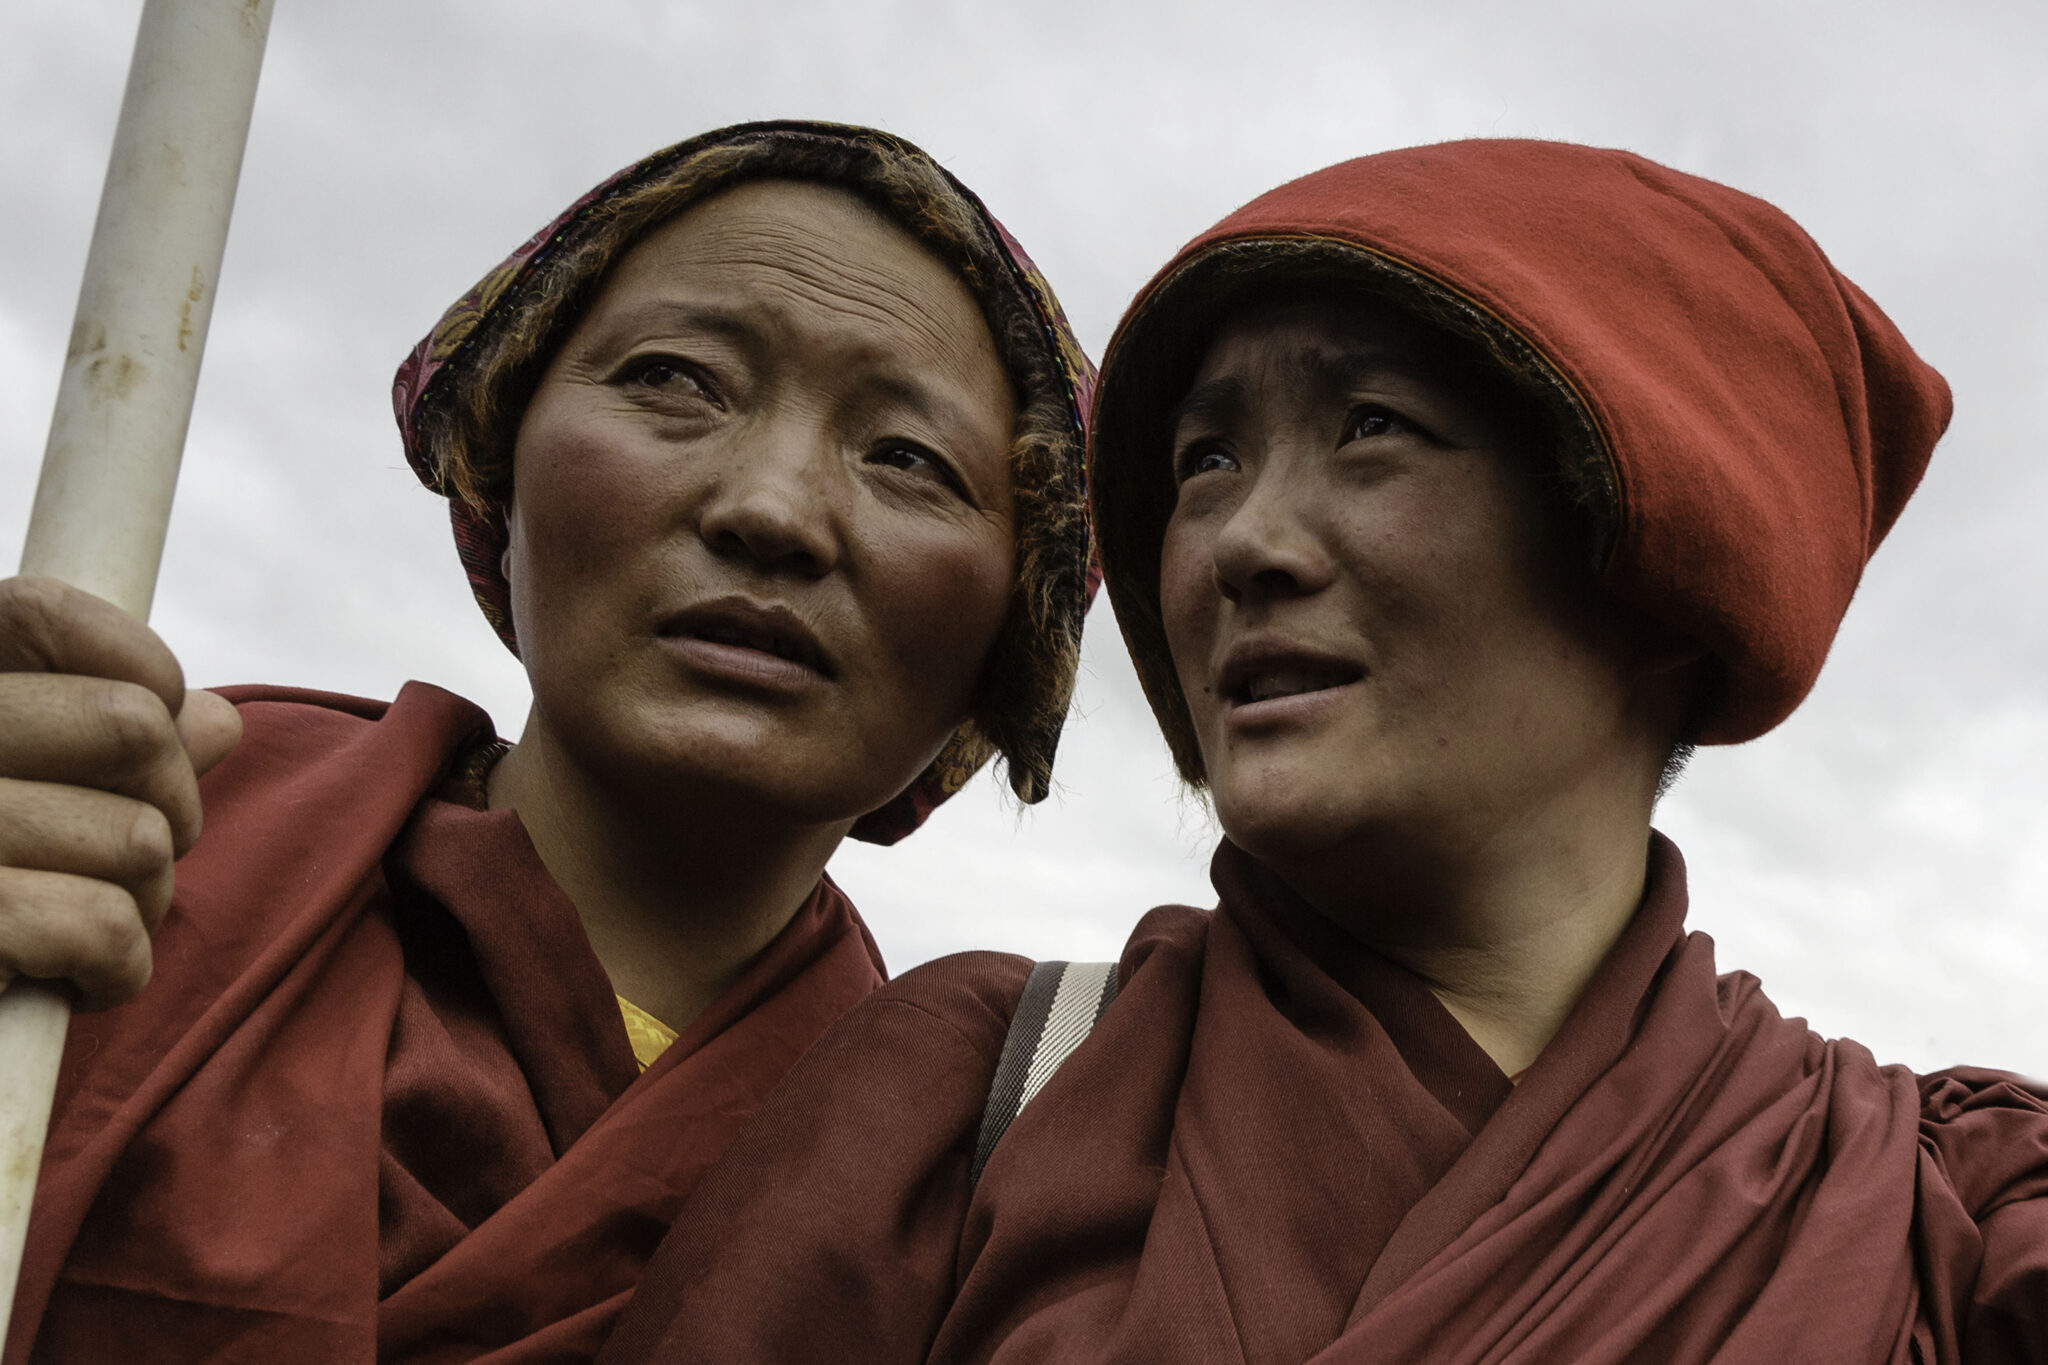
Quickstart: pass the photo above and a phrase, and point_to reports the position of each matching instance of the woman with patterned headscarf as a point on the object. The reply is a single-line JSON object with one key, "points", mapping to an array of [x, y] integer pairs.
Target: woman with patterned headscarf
{"points": [[1446, 498], [765, 460]]}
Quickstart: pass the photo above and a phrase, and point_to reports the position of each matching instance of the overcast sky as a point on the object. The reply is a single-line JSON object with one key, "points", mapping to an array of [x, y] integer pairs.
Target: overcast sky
{"points": [[1881, 861]]}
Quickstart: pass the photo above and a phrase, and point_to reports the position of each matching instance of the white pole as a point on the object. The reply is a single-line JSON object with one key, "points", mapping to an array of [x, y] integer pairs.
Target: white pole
{"points": [[122, 407]]}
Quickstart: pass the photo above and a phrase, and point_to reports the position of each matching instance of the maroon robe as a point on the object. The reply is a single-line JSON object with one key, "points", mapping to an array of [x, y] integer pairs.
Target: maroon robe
{"points": [[1278, 1147], [378, 1101]]}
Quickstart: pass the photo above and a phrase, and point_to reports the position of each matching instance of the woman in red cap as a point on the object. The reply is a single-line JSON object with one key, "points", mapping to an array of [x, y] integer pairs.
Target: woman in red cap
{"points": [[1447, 498], [765, 459]]}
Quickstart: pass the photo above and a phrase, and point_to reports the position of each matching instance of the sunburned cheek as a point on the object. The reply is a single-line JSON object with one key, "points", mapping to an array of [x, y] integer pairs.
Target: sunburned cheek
{"points": [[591, 510], [944, 614]]}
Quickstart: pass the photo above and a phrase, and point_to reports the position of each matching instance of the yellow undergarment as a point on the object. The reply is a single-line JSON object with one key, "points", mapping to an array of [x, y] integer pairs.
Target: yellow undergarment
{"points": [[649, 1036]]}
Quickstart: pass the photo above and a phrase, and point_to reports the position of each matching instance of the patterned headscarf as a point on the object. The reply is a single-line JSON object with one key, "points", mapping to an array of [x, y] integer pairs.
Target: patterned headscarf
{"points": [[461, 393]]}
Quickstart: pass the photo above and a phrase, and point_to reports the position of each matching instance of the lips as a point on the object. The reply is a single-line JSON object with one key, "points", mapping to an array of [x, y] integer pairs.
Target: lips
{"points": [[1291, 682], [741, 624], [1274, 671]]}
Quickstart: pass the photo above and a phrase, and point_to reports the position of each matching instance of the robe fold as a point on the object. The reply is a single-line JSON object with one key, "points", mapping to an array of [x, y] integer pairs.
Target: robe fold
{"points": [[1277, 1146], [378, 1101]]}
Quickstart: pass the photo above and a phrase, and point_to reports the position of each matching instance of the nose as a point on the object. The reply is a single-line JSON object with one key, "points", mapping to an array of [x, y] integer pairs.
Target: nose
{"points": [[776, 504], [1268, 548]]}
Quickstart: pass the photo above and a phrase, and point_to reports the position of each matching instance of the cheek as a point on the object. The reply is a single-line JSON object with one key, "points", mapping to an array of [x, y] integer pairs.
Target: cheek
{"points": [[1187, 599], [583, 509], [582, 496], [937, 599], [1487, 643], [586, 514]]}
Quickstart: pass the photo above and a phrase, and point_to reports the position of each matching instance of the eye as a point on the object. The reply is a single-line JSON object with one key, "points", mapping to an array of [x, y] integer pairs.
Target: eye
{"points": [[1372, 420], [1203, 459], [915, 460], [666, 374]]}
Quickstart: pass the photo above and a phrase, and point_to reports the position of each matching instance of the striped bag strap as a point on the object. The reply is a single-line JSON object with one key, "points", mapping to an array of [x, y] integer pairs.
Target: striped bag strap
{"points": [[1060, 1004]]}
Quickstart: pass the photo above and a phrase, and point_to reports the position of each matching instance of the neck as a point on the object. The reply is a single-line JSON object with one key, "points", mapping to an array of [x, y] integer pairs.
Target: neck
{"points": [[676, 893], [1507, 926]]}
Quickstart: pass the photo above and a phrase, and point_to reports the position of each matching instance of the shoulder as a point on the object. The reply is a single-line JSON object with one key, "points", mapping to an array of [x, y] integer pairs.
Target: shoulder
{"points": [[306, 740], [302, 723], [968, 996], [1982, 1224], [940, 1027], [318, 781], [849, 1190], [1986, 1133], [973, 996], [1168, 938]]}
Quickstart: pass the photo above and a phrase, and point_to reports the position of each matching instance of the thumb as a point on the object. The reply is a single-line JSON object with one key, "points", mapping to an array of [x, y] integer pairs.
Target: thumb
{"points": [[210, 727]]}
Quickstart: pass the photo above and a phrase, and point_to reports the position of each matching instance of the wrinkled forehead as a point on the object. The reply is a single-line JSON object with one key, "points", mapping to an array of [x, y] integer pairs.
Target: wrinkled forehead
{"points": [[779, 263], [803, 228], [1317, 342]]}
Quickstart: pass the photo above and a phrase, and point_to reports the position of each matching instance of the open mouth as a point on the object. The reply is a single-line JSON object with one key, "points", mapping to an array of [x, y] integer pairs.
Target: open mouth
{"points": [[741, 624], [1271, 677], [1290, 682]]}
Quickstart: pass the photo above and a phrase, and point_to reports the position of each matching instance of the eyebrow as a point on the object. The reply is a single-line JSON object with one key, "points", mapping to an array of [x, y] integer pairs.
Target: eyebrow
{"points": [[1320, 370], [716, 321], [1213, 402], [1332, 371], [735, 327], [933, 407]]}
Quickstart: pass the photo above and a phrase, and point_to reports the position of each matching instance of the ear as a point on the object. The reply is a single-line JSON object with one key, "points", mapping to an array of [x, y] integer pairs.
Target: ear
{"points": [[1669, 675], [1672, 689], [1665, 652], [512, 538], [1650, 650]]}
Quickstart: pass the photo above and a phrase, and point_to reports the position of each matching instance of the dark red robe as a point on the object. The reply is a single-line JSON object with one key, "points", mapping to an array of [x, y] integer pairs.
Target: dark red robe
{"points": [[1278, 1147], [378, 1101]]}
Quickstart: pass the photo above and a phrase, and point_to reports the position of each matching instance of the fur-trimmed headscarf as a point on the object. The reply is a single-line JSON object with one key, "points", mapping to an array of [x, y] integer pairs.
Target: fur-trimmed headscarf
{"points": [[461, 394], [1736, 424]]}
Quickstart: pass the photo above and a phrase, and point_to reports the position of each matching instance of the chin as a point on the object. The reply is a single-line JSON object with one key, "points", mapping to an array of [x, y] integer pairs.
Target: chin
{"points": [[1283, 823], [727, 768], [746, 790]]}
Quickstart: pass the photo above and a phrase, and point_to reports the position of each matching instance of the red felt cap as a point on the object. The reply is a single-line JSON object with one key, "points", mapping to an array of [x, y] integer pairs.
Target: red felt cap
{"points": [[1762, 421]]}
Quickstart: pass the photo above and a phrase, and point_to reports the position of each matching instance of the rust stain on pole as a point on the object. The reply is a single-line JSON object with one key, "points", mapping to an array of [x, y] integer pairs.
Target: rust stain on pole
{"points": [[114, 377], [87, 338], [192, 296]]}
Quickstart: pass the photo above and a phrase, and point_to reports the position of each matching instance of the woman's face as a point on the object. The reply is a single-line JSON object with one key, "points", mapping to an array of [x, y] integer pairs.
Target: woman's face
{"points": [[761, 534], [1377, 620]]}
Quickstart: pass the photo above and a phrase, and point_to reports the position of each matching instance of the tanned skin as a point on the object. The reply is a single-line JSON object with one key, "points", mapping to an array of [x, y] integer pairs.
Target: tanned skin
{"points": [[1412, 704], [761, 543]]}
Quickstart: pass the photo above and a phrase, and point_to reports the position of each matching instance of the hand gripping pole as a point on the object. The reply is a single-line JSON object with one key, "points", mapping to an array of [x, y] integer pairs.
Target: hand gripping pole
{"points": [[110, 468]]}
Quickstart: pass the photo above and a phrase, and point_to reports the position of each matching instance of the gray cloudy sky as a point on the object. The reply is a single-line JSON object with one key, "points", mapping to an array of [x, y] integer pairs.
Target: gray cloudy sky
{"points": [[1881, 861]]}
